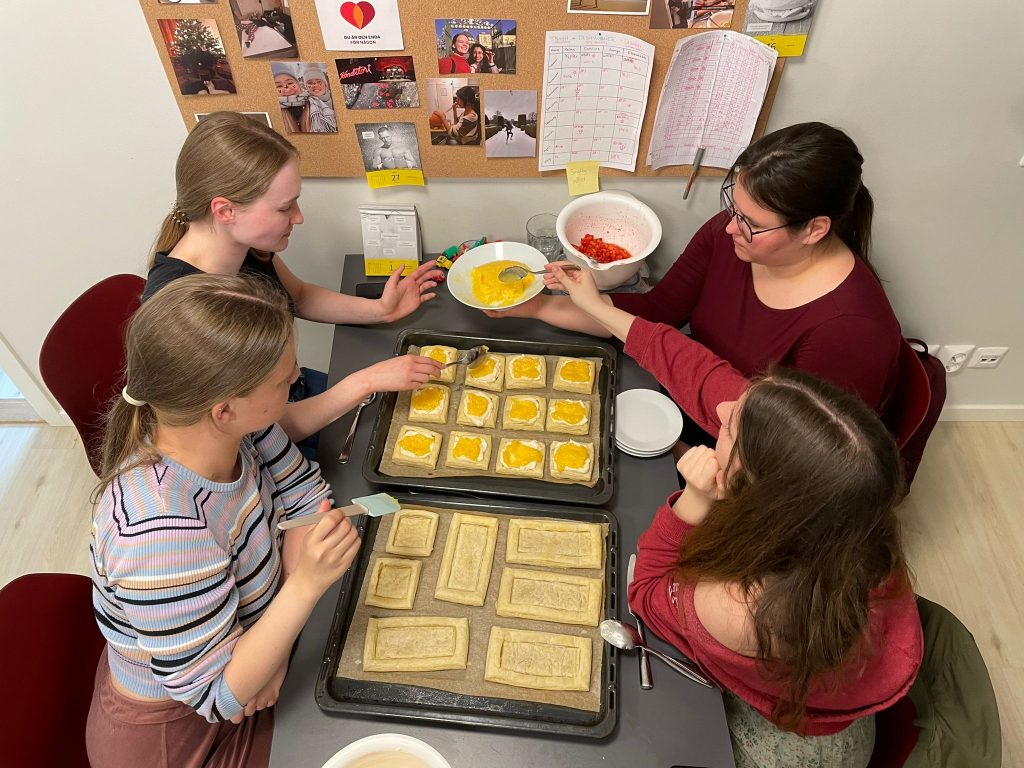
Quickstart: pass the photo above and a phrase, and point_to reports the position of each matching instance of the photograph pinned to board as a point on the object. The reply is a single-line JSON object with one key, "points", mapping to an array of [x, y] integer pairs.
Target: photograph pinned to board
{"points": [[454, 105], [196, 52], [391, 154], [782, 24], [619, 7], [511, 123], [360, 26], [186, 2], [264, 28], [384, 82], [475, 46], [304, 95], [259, 117], [692, 14]]}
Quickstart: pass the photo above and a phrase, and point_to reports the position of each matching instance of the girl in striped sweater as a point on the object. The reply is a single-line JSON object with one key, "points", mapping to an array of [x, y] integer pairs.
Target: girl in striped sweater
{"points": [[199, 597]]}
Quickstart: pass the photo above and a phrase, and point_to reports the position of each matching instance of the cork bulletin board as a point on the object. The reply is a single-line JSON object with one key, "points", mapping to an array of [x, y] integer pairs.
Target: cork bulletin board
{"points": [[339, 155]]}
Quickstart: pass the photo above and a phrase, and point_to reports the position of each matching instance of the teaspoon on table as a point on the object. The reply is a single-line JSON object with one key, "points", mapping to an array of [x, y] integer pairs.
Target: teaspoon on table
{"points": [[515, 274], [625, 637], [346, 451]]}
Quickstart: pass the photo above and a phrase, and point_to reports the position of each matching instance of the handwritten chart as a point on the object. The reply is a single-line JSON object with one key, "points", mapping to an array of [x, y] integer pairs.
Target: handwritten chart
{"points": [[713, 92], [593, 98]]}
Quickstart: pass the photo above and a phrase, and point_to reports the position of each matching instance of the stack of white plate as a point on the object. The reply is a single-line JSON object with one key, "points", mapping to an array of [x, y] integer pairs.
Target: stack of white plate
{"points": [[646, 422]]}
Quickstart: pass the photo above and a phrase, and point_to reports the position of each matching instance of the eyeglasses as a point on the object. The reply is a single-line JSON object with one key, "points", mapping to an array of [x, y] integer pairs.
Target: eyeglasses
{"points": [[742, 223]]}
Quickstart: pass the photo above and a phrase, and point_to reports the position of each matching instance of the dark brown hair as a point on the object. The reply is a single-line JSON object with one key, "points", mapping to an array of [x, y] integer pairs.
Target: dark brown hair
{"points": [[808, 170], [807, 528]]}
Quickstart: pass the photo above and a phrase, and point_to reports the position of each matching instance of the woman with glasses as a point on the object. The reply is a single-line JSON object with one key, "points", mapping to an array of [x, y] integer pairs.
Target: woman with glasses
{"points": [[780, 276]]}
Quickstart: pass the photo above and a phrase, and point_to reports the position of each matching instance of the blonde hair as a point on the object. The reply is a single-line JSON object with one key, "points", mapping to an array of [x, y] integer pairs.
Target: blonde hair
{"points": [[200, 340], [226, 155]]}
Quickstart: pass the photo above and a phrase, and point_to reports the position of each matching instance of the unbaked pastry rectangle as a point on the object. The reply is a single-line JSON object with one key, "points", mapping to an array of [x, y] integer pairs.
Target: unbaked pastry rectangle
{"points": [[466, 564], [538, 660], [549, 596], [416, 644], [554, 543], [393, 583], [412, 533]]}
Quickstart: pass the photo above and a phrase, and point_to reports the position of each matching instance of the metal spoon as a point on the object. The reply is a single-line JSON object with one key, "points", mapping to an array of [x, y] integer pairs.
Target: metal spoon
{"points": [[346, 451], [625, 637], [514, 274], [468, 356]]}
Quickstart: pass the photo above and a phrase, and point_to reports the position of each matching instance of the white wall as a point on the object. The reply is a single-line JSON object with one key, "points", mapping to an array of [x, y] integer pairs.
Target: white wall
{"points": [[935, 104]]}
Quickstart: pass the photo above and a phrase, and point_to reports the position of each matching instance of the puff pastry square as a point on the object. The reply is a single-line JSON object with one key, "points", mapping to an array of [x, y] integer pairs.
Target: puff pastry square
{"points": [[520, 457], [571, 460], [478, 409], [416, 644], [538, 660], [573, 374], [468, 450], [429, 404], [412, 533], [443, 355], [525, 372], [554, 543], [417, 447], [466, 563], [548, 596], [488, 372], [393, 583], [523, 412], [571, 417]]}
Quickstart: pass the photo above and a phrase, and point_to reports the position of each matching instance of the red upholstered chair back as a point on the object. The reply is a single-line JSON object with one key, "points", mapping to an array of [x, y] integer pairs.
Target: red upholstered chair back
{"points": [[49, 648], [82, 358], [914, 407]]}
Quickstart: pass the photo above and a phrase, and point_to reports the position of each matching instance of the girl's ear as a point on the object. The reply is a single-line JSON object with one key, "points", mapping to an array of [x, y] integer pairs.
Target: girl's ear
{"points": [[816, 229], [222, 414], [223, 210]]}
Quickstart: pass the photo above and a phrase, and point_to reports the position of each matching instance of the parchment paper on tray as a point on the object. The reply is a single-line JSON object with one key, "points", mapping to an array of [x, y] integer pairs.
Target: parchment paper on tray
{"points": [[471, 680], [400, 418]]}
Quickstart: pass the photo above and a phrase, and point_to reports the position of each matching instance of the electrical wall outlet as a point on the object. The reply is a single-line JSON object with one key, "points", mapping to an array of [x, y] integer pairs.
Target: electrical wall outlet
{"points": [[987, 357], [954, 356]]}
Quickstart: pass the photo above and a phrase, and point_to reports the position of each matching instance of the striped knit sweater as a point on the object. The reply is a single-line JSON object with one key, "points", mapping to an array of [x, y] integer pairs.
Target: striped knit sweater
{"points": [[183, 565]]}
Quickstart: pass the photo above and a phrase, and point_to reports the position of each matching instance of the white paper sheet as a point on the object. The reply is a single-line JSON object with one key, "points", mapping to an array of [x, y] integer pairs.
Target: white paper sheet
{"points": [[593, 98], [713, 92]]}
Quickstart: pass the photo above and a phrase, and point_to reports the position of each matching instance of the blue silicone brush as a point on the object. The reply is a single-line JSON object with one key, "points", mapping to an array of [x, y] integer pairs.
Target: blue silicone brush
{"points": [[375, 505]]}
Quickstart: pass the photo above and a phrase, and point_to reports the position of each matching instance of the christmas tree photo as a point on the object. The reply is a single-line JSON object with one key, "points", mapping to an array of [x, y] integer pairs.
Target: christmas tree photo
{"points": [[197, 56]]}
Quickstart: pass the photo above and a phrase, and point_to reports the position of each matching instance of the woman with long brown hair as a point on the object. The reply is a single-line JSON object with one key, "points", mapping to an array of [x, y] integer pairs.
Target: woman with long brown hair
{"points": [[779, 570]]}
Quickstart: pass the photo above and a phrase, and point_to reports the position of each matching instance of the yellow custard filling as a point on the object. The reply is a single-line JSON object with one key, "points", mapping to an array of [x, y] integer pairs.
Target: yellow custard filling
{"points": [[576, 370], [526, 368], [483, 368], [468, 448], [523, 410], [427, 399], [488, 289], [477, 405], [569, 411], [436, 353], [520, 455], [416, 444], [572, 456]]}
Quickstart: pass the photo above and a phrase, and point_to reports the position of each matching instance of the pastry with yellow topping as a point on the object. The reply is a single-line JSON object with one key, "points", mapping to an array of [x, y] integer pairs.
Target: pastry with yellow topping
{"points": [[488, 372], [477, 409], [569, 416], [417, 447], [523, 412], [525, 372], [571, 460], [468, 450], [573, 374], [443, 355], [429, 404], [520, 457], [493, 292]]}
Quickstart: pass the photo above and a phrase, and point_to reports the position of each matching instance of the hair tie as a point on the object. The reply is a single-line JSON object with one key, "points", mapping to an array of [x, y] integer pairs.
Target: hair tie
{"points": [[178, 215], [131, 400]]}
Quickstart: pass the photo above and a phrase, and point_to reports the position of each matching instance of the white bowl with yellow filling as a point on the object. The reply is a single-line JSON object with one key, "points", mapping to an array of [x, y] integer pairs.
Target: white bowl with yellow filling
{"points": [[520, 457], [488, 372], [473, 279], [574, 374], [571, 460], [417, 447], [429, 404], [571, 417], [468, 450], [525, 372], [523, 412], [477, 409], [443, 355]]}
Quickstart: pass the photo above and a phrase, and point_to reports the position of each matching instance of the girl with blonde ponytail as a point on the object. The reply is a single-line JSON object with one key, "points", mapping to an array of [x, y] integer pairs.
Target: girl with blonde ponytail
{"points": [[199, 598], [237, 191]]}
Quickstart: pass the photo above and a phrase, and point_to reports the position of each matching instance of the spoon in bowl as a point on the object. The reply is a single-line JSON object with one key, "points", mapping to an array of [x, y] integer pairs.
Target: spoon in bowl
{"points": [[626, 637], [514, 274]]}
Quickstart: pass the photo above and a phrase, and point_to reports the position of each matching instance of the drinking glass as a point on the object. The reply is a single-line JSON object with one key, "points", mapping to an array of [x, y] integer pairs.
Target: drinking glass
{"points": [[541, 234]]}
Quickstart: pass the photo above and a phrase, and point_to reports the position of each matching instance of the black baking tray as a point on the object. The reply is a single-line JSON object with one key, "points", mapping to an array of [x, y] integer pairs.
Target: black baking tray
{"points": [[523, 488], [336, 695]]}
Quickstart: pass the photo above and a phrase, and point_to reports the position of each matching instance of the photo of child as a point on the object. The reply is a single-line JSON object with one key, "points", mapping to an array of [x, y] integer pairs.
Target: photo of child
{"points": [[454, 106], [304, 96]]}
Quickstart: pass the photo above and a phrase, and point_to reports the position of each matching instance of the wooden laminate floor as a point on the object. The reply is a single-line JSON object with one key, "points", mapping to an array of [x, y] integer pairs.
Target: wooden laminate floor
{"points": [[963, 535]]}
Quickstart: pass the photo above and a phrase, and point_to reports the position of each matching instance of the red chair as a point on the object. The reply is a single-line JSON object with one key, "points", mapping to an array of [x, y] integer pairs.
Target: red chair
{"points": [[82, 357], [914, 407], [49, 650]]}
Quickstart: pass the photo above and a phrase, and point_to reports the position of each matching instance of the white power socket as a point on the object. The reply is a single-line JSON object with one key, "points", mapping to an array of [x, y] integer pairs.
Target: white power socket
{"points": [[987, 357], [954, 356]]}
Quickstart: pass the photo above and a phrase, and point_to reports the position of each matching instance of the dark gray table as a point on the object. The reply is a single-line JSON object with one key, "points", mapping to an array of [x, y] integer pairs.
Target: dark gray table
{"points": [[675, 723]]}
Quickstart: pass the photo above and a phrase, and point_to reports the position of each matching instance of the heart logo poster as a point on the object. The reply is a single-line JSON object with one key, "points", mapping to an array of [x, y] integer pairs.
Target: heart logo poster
{"points": [[365, 25]]}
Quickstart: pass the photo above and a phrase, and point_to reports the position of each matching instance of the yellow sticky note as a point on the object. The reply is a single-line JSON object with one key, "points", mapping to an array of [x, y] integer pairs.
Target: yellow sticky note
{"points": [[395, 177], [582, 177], [785, 45]]}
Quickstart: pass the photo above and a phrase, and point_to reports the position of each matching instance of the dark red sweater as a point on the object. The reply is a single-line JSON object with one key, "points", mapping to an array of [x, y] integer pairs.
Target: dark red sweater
{"points": [[849, 336], [884, 674]]}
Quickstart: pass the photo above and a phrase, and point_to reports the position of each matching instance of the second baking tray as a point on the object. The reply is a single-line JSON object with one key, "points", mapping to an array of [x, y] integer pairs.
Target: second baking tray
{"points": [[488, 485], [338, 695]]}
